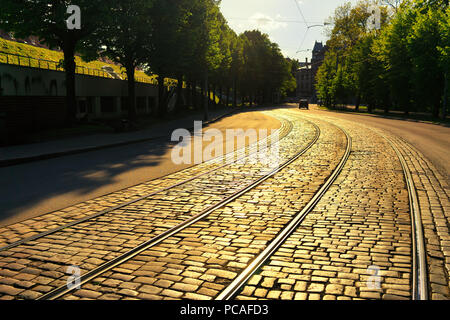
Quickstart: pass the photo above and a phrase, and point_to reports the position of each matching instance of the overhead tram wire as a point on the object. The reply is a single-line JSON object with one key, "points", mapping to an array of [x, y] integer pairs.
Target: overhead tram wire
{"points": [[301, 13], [275, 20], [306, 23]]}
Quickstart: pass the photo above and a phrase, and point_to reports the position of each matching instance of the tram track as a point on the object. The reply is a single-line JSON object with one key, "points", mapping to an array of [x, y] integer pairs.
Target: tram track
{"points": [[420, 290], [230, 291], [286, 128], [111, 264], [418, 252], [420, 285]]}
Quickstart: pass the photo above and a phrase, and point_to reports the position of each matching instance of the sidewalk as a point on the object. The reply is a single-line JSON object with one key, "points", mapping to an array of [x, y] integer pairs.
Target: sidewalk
{"points": [[51, 149]]}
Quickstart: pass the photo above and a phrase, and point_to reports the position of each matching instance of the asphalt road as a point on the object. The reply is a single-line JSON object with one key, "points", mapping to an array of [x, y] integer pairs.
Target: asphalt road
{"points": [[431, 139], [36, 188], [32, 189]]}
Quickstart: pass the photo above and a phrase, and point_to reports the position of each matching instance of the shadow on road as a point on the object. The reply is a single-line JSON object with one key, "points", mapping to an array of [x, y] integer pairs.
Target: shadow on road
{"points": [[39, 187]]}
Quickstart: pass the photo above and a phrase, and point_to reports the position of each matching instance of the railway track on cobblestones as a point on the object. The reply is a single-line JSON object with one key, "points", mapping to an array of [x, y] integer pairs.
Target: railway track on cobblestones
{"points": [[286, 128], [121, 259], [420, 285], [230, 291], [419, 265], [418, 252]]}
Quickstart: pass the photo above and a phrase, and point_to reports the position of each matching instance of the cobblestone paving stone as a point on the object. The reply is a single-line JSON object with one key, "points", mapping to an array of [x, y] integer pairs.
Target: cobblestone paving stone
{"points": [[433, 194], [30, 227], [87, 245], [362, 221], [202, 259]]}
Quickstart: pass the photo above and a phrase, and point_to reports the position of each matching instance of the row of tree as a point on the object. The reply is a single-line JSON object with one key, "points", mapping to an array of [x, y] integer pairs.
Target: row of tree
{"points": [[188, 40], [404, 65]]}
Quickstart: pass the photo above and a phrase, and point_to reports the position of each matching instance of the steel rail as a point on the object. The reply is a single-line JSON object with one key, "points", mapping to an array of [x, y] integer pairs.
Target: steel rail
{"points": [[105, 211], [245, 275], [62, 290], [419, 267]]}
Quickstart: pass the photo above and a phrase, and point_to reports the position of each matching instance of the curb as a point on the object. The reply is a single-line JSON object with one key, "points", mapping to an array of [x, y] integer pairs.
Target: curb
{"points": [[390, 117], [17, 161]]}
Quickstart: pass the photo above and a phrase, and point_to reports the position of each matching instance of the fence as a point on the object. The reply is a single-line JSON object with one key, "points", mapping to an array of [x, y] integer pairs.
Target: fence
{"points": [[15, 59]]}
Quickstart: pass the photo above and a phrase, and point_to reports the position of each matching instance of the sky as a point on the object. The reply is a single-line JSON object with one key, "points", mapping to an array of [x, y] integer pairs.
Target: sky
{"points": [[283, 21]]}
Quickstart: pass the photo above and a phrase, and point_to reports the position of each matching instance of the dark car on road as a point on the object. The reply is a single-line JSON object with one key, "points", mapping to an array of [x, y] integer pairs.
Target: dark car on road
{"points": [[303, 103]]}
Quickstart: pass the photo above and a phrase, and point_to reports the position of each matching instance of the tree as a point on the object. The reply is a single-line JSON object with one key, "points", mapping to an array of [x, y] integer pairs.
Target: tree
{"points": [[47, 21], [324, 80], [124, 38], [165, 26], [237, 65], [210, 53], [265, 72], [394, 4], [410, 49], [423, 44], [294, 66], [444, 57]]}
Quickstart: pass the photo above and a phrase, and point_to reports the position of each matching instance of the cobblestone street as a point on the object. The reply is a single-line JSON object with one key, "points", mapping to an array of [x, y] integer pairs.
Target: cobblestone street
{"points": [[198, 232]]}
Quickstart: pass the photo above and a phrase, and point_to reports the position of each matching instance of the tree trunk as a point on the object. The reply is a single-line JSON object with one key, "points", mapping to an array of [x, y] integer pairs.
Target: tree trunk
{"points": [[444, 100], [131, 92], [209, 94], [194, 94], [436, 111], [228, 97], [358, 102], [202, 95], [234, 94], [70, 66], [221, 95], [189, 93], [206, 100], [179, 103], [162, 107], [214, 95]]}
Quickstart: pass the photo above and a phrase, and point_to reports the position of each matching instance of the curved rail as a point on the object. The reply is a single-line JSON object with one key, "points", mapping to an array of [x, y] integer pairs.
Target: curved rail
{"points": [[103, 212], [245, 275], [62, 290], [419, 267]]}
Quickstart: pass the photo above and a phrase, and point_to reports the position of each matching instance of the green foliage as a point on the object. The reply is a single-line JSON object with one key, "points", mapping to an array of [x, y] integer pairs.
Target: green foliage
{"points": [[189, 40], [402, 66], [36, 53], [46, 20], [324, 81], [265, 71]]}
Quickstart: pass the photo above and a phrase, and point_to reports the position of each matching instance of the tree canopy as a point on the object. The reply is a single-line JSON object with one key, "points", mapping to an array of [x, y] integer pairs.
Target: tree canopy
{"points": [[186, 40], [402, 66]]}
